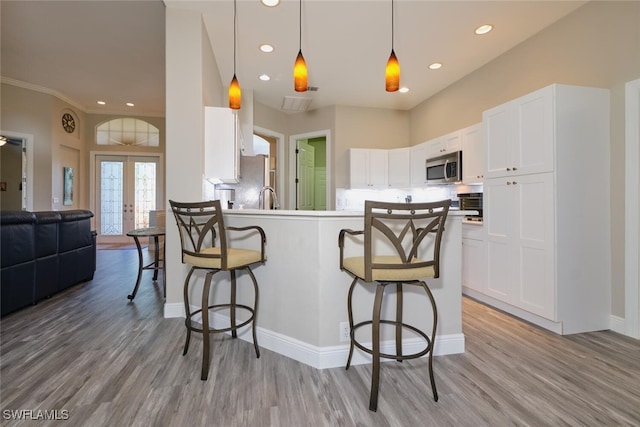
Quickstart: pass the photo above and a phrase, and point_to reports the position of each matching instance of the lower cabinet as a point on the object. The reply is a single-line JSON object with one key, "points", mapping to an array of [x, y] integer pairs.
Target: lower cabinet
{"points": [[520, 242], [473, 258]]}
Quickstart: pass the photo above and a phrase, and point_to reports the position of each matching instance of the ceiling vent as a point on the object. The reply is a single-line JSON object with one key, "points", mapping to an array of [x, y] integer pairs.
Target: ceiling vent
{"points": [[295, 103]]}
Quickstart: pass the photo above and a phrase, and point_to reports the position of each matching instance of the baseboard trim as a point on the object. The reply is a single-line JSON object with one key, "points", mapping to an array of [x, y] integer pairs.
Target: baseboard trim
{"points": [[329, 356], [618, 324]]}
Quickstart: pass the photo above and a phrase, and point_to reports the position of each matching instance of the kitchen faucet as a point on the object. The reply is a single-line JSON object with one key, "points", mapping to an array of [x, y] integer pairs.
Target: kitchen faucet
{"points": [[266, 188]]}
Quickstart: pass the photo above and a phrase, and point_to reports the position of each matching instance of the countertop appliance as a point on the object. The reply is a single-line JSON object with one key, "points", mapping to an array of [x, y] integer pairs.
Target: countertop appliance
{"points": [[471, 202], [444, 169]]}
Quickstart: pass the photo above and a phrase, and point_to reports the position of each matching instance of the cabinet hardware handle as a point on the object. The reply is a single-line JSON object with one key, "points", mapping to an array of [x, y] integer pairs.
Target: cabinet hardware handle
{"points": [[515, 168], [508, 182], [508, 169], [514, 183]]}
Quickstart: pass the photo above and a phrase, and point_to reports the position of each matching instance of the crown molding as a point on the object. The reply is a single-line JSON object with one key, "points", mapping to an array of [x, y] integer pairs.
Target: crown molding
{"points": [[42, 89]]}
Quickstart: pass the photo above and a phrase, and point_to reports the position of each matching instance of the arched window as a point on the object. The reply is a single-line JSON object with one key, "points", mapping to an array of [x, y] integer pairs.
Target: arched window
{"points": [[128, 131]]}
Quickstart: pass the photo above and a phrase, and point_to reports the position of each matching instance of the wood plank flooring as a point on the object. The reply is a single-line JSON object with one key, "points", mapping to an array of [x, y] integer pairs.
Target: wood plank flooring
{"points": [[111, 362]]}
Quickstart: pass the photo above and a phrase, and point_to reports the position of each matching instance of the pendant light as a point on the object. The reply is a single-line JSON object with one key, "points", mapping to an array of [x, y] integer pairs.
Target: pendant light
{"points": [[235, 94], [300, 74], [392, 74]]}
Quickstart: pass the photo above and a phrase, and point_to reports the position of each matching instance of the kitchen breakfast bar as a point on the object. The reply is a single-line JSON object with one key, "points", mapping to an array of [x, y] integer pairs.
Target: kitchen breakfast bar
{"points": [[303, 292]]}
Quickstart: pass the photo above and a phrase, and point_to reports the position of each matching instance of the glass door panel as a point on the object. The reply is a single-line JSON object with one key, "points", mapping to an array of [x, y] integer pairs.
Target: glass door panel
{"points": [[127, 189]]}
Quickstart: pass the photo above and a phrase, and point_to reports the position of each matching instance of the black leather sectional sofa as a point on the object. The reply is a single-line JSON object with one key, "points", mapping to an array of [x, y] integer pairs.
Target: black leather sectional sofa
{"points": [[43, 253]]}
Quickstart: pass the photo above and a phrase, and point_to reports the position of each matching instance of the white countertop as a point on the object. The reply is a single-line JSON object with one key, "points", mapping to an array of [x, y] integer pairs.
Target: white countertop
{"points": [[301, 213]]}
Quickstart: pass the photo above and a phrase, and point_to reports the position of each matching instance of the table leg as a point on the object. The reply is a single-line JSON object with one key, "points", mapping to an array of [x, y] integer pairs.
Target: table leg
{"points": [[135, 290], [157, 258]]}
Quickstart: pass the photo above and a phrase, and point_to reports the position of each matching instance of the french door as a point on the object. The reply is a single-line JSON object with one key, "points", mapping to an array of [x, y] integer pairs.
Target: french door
{"points": [[127, 188]]}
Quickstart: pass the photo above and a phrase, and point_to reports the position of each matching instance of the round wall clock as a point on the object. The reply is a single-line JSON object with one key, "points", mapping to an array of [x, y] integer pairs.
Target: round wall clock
{"points": [[68, 123]]}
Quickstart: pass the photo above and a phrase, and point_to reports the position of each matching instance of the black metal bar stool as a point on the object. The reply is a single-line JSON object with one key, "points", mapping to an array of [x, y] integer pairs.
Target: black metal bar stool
{"points": [[401, 246], [203, 238]]}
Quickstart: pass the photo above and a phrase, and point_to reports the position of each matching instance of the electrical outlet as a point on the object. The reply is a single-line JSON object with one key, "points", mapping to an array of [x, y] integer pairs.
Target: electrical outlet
{"points": [[345, 331]]}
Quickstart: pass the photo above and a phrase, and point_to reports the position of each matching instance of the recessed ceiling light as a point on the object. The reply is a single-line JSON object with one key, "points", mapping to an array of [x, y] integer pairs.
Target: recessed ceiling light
{"points": [[101, 102], [267, 48], [484, 29], [129, 104], [403, 89], [270, 3], [265, 78], [435, 66]]}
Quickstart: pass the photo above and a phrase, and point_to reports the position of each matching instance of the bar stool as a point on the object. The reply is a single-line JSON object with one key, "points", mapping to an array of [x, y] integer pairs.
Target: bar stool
{"points": [[401, 246], [201, 227]]}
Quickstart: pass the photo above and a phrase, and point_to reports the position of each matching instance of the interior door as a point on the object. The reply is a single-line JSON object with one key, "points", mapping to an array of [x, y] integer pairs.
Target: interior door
{"points": [[127, 188], [306, 175]]}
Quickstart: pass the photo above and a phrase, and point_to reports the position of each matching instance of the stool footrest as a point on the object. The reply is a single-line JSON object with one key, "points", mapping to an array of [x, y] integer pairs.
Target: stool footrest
{"points": [[367, 350], [189, 324]]}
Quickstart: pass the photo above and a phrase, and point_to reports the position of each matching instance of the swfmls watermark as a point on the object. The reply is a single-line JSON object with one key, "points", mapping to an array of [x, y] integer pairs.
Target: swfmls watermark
{"points": [[35, 414]]}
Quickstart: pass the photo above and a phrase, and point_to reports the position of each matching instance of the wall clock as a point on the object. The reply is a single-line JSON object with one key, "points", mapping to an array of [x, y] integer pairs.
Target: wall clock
{"points": [[68, 123]]}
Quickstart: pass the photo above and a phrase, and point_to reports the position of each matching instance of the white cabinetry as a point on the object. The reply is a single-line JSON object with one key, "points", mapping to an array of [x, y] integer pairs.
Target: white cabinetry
{"points": [[221, 145], [546, 208], [521, 135], [399, 172], [520, 242], [445, 144], [472, 155], [473, 257], [368, 168], [418, 165]]}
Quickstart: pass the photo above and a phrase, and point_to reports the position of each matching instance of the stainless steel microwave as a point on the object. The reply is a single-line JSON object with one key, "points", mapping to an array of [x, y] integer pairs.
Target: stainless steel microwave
{"points": [[445, 169]]}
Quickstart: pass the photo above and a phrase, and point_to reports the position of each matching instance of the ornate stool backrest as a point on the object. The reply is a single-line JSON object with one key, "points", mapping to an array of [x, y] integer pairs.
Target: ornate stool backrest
{"points": [[401, 230], [200, 224]]}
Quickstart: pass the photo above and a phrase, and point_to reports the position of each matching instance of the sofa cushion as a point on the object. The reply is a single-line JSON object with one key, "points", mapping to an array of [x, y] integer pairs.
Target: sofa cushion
{"points": [[75, 230], [17, 237]]}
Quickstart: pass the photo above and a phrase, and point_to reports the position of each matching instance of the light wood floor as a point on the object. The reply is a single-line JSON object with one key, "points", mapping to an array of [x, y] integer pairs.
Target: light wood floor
{"points": [[111, 362]]}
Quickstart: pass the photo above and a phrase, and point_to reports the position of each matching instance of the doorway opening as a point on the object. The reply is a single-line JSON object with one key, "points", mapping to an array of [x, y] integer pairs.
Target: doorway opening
{"points": [[16, 171], [309, 171]]}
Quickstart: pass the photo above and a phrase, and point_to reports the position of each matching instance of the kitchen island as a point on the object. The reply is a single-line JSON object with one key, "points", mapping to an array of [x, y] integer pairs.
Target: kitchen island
{"points": [[303, 292]]}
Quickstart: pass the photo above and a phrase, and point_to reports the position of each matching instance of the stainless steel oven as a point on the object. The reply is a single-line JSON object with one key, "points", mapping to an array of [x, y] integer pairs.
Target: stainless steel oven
{"points": [[444, 169], [471, 202]]}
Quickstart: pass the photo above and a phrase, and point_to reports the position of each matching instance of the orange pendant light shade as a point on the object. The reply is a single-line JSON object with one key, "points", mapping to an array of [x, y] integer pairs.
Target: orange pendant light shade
{"points": [[300, 75], [235, 94], [392, 74]]}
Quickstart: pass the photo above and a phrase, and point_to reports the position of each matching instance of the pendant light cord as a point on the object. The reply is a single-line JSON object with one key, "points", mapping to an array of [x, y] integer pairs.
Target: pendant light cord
{"points": [[234, 36], [392, 31], [300, 32]]}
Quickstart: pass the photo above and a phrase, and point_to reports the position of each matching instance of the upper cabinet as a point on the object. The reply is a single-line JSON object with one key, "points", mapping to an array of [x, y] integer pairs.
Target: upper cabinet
{"points": [[221, 145], [444, 144], [399, 172], [418, 164], [368, 168], [472, 155], [520, 135]]}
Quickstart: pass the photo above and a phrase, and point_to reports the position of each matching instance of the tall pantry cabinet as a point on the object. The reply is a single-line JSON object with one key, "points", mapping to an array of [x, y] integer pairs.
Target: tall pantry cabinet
{"points": [[547, 208]]}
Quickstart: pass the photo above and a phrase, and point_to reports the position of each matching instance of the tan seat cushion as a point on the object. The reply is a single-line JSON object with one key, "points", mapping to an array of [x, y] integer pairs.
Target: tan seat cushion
{"points": [[236, 258], [355, 265]]}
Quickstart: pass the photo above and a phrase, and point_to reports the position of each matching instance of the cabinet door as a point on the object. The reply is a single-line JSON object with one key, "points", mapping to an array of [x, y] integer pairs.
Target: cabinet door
{"points": [[497, 131], [499, 211], [519, 217], [534, 136], [533, 243], [473, 264], [399, 175], [358, 168], [472, 155], [452, 142], [221, 153], [378, 168], [435, 147], [418, 165]]}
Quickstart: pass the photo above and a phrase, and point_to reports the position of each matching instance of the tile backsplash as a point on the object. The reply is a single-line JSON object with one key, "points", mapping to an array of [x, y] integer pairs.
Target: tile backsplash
{"points": [[348, 200]]}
